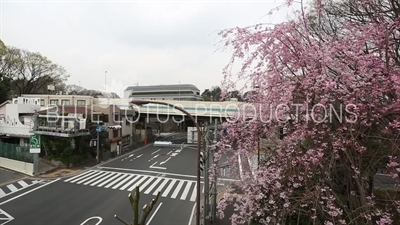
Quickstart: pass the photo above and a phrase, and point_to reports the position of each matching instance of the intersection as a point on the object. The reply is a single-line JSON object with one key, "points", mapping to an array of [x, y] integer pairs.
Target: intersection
{"points": [[95, 195]]}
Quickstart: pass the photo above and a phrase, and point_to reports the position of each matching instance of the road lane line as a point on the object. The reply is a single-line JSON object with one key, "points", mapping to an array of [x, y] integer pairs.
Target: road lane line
{"points": [[82, 175], [102, 179], [12, 187], [129, 183], [137, 183], [152, 216], [194, 194], [23, 183], [161, 186], [192, 215], [177, 189], [153, 185], [156, 151], [95, 179], [169, 188], [123, 181], [186, 191], [27, 192], [116, 180]]}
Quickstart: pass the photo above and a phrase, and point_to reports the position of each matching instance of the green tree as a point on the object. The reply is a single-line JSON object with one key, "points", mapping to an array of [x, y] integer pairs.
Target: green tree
{"points": [[213, 94], [5, 88], [31, 72]]}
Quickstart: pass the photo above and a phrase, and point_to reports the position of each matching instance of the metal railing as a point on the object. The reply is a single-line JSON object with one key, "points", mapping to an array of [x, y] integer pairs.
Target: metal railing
{"points": [[15, 152]]}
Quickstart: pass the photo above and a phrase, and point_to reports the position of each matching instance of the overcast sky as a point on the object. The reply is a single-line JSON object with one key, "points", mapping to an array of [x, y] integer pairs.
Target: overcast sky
{"points": [[145, 42]]}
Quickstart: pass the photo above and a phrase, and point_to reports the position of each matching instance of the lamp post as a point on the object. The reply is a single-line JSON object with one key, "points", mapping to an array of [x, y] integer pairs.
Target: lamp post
{"points": [[143, 102]]}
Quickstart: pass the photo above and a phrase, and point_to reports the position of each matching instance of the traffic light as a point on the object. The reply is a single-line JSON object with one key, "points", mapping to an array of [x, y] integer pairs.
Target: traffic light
{"points": [[201, 161]]}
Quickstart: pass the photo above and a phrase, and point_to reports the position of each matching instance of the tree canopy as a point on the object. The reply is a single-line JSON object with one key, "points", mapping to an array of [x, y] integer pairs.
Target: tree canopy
{"points": [[30, 72], [331, 77]]}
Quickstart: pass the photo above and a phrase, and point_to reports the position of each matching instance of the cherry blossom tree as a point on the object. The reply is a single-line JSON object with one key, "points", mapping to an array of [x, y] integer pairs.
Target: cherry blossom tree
{"points": [[331, 77]]}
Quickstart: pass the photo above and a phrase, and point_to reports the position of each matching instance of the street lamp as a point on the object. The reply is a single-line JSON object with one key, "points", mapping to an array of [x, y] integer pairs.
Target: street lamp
{"points": [[143, 102]]}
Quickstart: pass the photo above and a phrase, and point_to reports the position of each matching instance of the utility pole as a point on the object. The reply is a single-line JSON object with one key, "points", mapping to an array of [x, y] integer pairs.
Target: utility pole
{"points": [[214, 192], [206, 179]]}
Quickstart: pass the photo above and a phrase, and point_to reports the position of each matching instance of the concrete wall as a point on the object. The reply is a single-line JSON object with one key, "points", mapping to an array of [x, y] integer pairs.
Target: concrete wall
{"points": [[19, 166], [12, 124]]}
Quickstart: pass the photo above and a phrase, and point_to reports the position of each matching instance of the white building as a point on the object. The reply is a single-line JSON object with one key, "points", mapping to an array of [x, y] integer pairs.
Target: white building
{"points": [[16, 120], [186, 92]]}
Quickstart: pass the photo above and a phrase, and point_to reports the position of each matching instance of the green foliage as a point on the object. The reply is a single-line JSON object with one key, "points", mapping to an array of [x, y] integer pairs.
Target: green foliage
{"points": [[134, 200], [5, 87], [213, 94], [30, 72]]}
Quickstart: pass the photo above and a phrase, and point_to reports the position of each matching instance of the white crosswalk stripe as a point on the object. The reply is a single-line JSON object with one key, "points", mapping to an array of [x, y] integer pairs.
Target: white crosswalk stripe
{"points": [[169, 187], [17, 186]]}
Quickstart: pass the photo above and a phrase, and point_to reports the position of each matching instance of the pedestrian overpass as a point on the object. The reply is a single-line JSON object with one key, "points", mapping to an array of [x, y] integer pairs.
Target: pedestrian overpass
{"points": [[195, 108]]}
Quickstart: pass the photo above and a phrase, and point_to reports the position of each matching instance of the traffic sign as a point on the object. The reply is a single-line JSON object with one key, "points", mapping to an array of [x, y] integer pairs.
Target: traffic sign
{"points": [[34, 145], [99, 129]]}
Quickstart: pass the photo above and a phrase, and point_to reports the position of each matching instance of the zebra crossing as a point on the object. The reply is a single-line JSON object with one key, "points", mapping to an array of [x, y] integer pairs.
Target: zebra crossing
{"points": [[169, 187], [17, 186]]}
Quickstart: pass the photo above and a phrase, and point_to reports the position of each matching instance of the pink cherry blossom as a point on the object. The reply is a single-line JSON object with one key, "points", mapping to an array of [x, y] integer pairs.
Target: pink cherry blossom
{"points": [[336, 65]]}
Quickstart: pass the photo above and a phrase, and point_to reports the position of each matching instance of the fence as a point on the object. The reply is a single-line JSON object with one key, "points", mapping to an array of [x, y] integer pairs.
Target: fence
{"points": [[15, 152]]}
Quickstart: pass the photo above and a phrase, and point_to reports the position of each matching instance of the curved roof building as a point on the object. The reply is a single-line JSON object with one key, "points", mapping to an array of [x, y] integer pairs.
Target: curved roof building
{"points": [[184, 92]]}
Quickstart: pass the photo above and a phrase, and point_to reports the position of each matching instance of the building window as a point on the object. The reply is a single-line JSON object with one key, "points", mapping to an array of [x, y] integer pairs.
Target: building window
{"points": [[81, 102], [126, 140], [41, 102], [115, 133], [116, 118], [65, 102], [53, 101]]}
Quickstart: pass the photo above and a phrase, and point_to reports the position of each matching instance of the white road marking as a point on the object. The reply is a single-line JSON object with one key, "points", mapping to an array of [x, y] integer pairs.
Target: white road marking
{"points": [[161, 186], [80, 176], [177, 189], [115, 181], [156, 167], [165, 161], [120, 183], [194, 193], [23, 183], [137, 183], [27, 192], [165, 193], [12, 187], [152, 216], [156, 151], [192, 215], [94, 217], [186, 191], [129, 183], [153, 185]]}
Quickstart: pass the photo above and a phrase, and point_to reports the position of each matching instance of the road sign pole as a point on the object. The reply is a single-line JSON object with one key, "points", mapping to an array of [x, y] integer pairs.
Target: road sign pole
{"points": [[36, 163], [98, 147]]}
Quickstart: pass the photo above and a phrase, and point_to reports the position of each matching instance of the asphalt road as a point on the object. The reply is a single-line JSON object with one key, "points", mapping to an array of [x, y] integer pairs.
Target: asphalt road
{"points": [[96, 195]]}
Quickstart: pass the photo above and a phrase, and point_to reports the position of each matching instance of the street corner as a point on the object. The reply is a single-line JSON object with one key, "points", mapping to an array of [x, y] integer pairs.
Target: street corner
{"points": [[62, 172]]}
